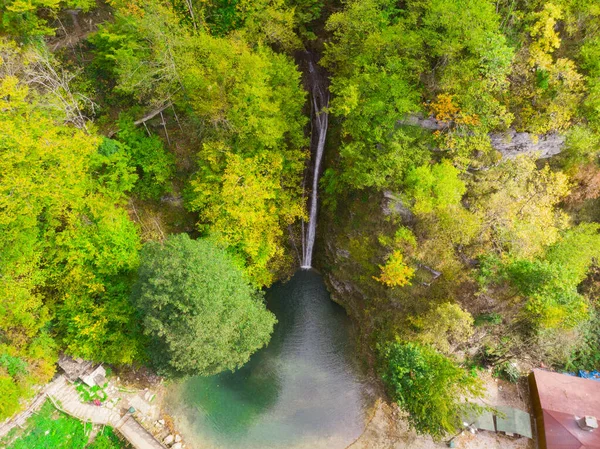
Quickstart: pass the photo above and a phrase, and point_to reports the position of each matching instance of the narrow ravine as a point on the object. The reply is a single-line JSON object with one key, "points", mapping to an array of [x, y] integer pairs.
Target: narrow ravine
{"points": [[306, 389], [319, 98]]}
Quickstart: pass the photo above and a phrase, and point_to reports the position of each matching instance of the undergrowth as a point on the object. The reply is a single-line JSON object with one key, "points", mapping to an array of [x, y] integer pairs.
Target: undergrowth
{"points": [[52, 429]]}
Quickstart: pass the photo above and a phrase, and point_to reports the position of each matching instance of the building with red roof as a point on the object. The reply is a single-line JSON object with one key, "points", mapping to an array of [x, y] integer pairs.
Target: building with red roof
{"points": [[566, 410]]}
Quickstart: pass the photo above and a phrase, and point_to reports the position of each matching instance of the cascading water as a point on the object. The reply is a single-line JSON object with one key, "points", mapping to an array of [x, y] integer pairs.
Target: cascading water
{"points": [[319, 122]]}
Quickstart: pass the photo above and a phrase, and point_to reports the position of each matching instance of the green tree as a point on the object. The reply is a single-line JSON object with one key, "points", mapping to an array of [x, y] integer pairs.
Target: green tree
{"points": [[589, 56], [374, 84], [245, 100], [382, 56], [545, 91], [443, 223], [428, 386], [248, 209], [201, 314], [154, 165], [11, 393], [433, 187], [28, 18], [552, 300], [547, 286]]}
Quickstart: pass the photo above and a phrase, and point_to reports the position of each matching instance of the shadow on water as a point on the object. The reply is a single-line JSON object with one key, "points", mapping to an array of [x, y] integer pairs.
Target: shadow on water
{"points": [[304, 390]]}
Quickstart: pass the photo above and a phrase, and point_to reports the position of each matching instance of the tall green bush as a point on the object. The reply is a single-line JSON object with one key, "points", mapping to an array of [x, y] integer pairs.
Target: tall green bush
{"points": [[431, 388], [201, 314]]}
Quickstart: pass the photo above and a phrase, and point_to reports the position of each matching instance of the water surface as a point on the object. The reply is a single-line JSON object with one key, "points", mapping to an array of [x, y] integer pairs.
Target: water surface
{"points": [[305, 390]]}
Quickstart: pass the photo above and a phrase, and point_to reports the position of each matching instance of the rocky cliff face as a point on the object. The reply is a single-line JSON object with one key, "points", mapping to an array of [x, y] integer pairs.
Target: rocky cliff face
{"points": [[343, 289], [510, 143], [351, 251], [352, 244]]}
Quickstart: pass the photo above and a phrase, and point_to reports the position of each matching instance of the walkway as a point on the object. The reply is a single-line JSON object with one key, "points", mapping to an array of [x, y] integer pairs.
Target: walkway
{"points": [[139, 437], [21, 418], [65, 397]]}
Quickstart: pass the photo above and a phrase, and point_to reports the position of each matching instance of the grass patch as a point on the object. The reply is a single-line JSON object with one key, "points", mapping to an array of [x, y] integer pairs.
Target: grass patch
{"points": [[108, 439], [488, 318], [50, 428]]}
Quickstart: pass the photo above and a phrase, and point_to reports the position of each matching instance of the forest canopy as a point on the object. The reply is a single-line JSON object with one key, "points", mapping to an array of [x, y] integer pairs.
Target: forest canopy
{"points": [[154, 159]]}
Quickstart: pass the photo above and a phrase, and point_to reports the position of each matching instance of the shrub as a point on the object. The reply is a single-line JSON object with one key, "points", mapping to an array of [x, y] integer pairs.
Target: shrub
{"points": [[428, 386], [444, 327], [88, 394], [488, 318], [508, 371]]}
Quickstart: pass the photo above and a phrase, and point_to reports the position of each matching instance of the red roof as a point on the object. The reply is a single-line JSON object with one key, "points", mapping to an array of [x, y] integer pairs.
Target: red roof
{"points": [[559, 400]]}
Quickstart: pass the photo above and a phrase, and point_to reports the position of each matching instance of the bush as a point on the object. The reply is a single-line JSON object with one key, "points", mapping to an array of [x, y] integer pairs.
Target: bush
{"points": [[107, 440], [445, 327], [586, 355], [88, 394], [9, 396], [428, 386], [488, 318], [508, 371]]}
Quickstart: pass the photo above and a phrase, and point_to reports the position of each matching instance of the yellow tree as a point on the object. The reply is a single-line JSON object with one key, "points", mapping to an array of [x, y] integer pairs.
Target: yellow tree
{"points": [[545, 90], [518, 206], [65, 249], [248, 208]]}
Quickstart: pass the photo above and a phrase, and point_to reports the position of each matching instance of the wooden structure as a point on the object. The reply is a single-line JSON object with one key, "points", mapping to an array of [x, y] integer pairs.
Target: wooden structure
{"points": [[74, 368]]}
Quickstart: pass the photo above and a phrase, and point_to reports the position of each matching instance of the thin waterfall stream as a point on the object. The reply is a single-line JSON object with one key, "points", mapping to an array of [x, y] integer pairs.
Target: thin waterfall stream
{"points": [[306, 389], [319, 122]]}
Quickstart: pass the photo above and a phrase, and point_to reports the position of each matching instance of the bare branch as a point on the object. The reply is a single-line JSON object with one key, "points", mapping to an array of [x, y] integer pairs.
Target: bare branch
{"points": [[153, 113]]}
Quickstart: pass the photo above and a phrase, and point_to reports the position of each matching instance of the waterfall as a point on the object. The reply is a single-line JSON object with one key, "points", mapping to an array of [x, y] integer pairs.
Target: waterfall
{"points": [[319, 122]]}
